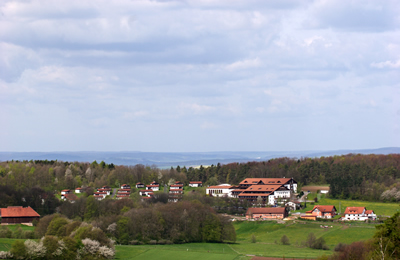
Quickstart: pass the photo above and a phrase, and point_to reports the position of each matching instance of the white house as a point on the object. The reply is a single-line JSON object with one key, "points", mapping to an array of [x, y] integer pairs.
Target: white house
{"points": [[63, 192], [176, 187], [358, 213], [145, 192], [78, 190], [108, 191], [139, 185], [220, 190], [155, 187], [195, 184], [125, 186]]}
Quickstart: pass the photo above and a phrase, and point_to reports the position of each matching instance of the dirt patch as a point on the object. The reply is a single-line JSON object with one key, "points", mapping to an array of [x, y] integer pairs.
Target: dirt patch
{"points": [[345, 227]]}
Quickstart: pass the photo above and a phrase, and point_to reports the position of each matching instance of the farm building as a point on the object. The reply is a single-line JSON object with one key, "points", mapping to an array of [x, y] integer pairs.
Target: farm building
{"points": [[321, 211], [266, 213], [18, 215]]}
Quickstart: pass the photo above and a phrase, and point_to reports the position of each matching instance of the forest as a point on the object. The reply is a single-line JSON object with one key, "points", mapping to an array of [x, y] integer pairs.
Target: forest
{"points": [[352, 176]]}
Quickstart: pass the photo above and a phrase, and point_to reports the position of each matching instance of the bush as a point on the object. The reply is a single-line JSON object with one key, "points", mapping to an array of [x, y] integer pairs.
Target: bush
{"points": [[313, 242], [5, 232], [285, 240], [340, 247], [253, 238]]}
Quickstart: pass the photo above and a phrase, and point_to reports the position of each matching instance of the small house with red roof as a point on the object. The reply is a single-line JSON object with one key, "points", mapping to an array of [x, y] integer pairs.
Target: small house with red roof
{"points": [[154, 187], [125, 186], [176, 187], [63, 192], [321, 211], [139, 185], [18, 215], [78, 190], [195, 184], [358, 213], [145, 192], [266, 213]]}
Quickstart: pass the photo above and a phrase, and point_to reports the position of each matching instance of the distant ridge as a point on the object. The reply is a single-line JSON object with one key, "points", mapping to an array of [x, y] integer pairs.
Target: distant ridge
{"points": [[187, 159]]}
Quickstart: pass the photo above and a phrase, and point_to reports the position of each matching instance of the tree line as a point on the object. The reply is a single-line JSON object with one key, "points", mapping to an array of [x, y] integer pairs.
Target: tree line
{"points": [[351, 176]]}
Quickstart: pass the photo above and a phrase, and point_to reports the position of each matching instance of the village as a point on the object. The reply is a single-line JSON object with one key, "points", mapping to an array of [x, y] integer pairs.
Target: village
{"points": [[271, 199]]}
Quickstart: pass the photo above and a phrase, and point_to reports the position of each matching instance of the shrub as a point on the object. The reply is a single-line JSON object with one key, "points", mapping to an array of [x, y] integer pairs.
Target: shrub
{"points": [[253, 238], [285, 240], [340, 247]]}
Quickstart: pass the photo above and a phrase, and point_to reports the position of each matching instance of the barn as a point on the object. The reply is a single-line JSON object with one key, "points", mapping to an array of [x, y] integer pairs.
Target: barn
{"points": [[18, 215]]}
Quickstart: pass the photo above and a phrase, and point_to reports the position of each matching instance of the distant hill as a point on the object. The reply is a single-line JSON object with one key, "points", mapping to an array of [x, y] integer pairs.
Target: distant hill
{"points": [[187, 159]]}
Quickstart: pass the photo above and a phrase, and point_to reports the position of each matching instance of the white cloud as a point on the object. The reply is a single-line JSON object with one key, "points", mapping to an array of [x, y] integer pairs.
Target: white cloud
{"points": [[386, 64]]}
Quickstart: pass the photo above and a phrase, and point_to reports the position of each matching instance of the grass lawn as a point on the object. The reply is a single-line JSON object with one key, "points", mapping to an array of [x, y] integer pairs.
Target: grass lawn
{"points": [[6, 243], [191, 251], [24, 227], [380, 208], [268, 235]]}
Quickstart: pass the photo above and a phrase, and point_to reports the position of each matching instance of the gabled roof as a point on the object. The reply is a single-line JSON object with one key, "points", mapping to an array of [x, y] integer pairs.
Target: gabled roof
{"points": [[277, 210], [66, 190], [153, 185], [262, 188], [78, 188], [195, 182], [71, 196], [266, 181], [19, 211], [139, 183], [220, 187], [354, 210], [177, 185], [369, 212], [323, 208], [124, 189]]}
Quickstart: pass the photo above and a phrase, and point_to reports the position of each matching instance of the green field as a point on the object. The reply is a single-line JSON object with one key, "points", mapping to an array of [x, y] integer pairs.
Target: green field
{"points": [[380, 208], [193, 251]]}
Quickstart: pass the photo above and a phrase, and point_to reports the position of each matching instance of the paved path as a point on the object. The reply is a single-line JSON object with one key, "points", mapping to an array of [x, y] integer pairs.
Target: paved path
{"points": [[114, 193]]}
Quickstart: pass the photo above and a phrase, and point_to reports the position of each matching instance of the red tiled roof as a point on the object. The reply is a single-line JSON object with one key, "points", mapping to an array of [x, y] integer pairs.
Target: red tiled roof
{"points": [[258, 188], [177, 185], [323, 208], [71, 196], [18, 212], [369, 212], [254, 194], [266, 180], [66, 190], [354, 210], [98, 193], [219, 187], [194, 182], [153, 185], [146, 191], [78, 188], [124, 190], [139, 183], [277, 210]]}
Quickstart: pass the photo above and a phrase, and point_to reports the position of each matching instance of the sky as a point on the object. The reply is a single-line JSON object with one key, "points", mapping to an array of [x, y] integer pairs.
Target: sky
{"points": [[199, 75]]}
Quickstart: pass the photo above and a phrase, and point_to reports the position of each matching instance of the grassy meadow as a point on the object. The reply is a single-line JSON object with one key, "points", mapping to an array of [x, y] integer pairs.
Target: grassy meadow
{"points": [[380, 208]]}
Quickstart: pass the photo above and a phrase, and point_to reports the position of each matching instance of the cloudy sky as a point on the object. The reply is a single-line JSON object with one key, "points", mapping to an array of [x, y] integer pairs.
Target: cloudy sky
{"points": [[199, 75]]}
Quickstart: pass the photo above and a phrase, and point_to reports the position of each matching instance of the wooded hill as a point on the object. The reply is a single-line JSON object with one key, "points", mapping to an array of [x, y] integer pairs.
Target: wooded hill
{"points": [[350, 176]]}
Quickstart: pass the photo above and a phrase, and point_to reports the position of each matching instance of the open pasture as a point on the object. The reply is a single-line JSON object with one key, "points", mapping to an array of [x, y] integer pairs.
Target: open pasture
{"points": [[380, 208], [193, 251]]}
